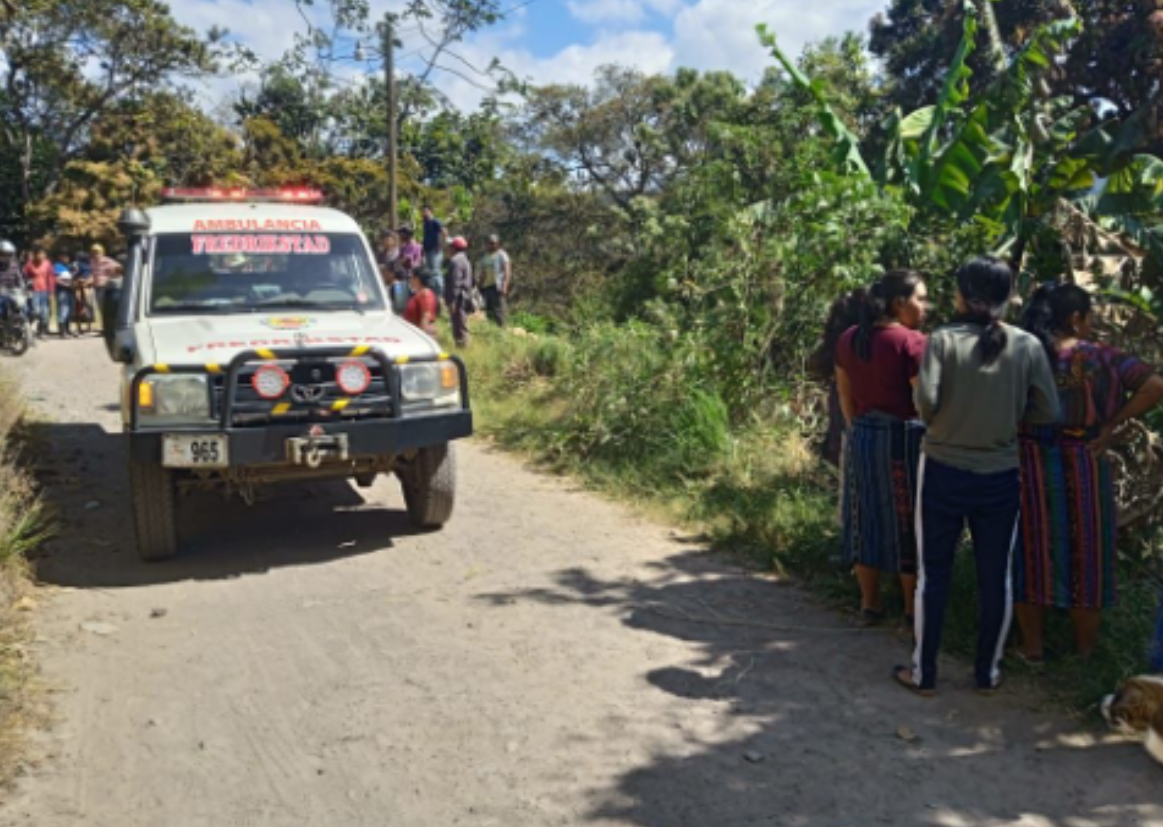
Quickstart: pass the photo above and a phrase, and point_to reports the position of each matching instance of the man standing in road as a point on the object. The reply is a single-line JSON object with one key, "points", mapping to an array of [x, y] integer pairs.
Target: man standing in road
{"points": [[39, 273], [434, 238], [458, 290], [495, 275], [101, 270]]}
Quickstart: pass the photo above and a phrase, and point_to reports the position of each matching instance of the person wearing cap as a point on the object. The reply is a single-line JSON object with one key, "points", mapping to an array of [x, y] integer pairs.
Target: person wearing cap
{"points": [[494, 276], [458, 289], [102, 269]]}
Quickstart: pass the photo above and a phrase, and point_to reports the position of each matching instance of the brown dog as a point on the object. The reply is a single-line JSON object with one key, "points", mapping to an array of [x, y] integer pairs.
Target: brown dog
{"points": [[1137, 708]]}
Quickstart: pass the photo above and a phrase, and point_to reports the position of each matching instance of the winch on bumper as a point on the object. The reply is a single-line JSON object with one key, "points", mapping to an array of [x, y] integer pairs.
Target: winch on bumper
{"points": [[245, 431]]}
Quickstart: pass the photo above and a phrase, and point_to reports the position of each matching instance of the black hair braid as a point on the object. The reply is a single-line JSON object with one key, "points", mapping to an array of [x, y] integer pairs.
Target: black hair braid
{"points": [[985, 285]]}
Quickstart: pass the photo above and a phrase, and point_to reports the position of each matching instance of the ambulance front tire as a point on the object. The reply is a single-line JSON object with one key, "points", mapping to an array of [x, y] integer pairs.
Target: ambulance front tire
{"points": [[429, 483], [152, 490]]}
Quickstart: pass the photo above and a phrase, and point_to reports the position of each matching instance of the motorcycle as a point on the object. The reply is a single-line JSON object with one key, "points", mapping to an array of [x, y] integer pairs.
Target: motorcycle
{"points": [[16, 334]]}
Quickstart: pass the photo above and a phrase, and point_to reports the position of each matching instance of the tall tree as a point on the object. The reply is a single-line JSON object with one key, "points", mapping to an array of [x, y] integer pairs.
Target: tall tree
{"points": [[1115, 63], [629, 134], [62, 64]]}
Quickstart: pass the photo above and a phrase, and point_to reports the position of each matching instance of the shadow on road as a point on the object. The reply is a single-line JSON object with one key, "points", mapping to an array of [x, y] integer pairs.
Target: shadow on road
{"points": [[807, 730], [81, 470]]}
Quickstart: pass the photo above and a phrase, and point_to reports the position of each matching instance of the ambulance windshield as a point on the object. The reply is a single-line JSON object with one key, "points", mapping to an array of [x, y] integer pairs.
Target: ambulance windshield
{"points": [[248, 273]]}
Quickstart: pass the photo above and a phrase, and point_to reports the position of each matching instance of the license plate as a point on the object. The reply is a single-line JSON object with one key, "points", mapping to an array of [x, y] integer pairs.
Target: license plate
{"points": [[195, 451]]}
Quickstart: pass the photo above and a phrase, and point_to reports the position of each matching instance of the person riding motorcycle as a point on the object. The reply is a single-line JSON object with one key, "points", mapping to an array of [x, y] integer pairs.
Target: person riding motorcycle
{"points": [[15, 332], [10, 276]]}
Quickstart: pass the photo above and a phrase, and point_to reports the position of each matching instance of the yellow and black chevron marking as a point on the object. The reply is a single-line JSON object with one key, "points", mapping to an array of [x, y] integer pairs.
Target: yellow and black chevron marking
{"points": [[161, 368], [281, 408], [264, 353], [362, 350]]}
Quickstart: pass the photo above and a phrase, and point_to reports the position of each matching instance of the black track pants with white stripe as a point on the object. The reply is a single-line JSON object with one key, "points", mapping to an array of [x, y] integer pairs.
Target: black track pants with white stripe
{"points": [[948, 499]]}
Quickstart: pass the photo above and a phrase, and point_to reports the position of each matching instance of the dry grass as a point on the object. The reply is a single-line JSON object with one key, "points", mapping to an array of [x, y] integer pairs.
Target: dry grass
{"points": [[23, 526]]}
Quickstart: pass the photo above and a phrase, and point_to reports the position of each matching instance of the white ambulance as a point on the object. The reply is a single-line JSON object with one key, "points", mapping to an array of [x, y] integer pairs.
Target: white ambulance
{"points": [[259, 347]]}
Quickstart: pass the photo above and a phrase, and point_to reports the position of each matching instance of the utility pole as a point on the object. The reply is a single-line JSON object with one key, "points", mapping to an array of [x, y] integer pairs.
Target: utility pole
{"points": [[393, 105]]}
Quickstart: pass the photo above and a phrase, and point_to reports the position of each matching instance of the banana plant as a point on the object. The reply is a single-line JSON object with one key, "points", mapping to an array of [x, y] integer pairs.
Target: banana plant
{"points": [[1007, 156]]}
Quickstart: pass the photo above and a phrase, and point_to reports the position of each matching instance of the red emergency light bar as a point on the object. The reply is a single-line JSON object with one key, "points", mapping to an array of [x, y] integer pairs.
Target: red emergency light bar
{"points": [[294, 195]]}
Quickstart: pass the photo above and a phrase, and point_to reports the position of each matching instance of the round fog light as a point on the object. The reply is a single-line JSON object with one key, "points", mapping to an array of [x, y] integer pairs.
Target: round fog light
{"points": [[353, 378], [270, 381]]}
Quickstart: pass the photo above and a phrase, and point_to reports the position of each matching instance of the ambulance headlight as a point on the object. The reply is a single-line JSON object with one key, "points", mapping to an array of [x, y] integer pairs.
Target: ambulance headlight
{"points": [[174, 399], [427, 385]]}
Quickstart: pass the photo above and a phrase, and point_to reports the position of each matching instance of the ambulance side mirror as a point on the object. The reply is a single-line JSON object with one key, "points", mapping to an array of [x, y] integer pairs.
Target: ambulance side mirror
{"points": [[110, 308], [117, 309]]}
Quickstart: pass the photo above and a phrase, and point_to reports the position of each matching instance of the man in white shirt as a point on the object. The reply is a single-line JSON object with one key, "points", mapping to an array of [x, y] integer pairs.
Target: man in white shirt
{"points": [[495, 277]]}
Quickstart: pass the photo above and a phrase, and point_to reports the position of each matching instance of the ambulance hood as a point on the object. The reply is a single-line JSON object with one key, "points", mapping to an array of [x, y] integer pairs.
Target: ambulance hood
{"points": [[216, 339]]}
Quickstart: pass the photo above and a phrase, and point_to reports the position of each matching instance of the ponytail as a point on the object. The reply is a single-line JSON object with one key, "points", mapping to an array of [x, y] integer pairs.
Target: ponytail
{"points": [[985, 285], [880, 304], [842, 315], [1038, 318], [872, 310], [1050, 311]]}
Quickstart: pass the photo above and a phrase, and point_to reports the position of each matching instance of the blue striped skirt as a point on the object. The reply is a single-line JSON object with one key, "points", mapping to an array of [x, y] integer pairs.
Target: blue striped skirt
{"points": [[880, 493]]}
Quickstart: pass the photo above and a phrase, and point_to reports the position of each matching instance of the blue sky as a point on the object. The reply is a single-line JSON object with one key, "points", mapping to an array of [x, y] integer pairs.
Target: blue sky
{"points": [[563, 41]]}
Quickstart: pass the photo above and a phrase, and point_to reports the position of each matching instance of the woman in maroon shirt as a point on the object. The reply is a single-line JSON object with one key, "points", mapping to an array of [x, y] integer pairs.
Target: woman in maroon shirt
{"points": [[877, 362], [423, 306]]}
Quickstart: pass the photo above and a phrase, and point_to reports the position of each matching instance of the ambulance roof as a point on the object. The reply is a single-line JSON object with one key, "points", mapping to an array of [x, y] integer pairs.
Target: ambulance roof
{"points": [[247, 217]]}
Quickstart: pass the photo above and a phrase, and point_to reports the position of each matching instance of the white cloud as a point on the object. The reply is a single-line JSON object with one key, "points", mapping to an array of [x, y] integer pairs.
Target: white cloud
{"points": [[645, 50], [651, 35], [720, 34], [266, 26]]}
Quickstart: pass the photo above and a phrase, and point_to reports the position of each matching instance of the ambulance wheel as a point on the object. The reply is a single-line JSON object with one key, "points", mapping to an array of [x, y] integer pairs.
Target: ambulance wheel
{"points": [[429, 483], [152, 490]]}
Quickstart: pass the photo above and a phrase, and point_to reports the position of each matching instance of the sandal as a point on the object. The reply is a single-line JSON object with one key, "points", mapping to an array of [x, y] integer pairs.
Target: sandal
{"points": [[903, 675]]}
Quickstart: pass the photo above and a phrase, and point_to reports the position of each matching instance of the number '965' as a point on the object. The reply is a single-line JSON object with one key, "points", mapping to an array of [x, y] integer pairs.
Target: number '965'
{"points": [[204, 451]]}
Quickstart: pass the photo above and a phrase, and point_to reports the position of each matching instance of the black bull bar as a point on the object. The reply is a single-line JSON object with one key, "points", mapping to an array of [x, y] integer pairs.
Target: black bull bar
{"points": [[250, 445]]}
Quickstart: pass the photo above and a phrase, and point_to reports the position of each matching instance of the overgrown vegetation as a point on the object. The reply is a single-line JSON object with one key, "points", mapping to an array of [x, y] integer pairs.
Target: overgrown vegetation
{"points": [[677, 239]]}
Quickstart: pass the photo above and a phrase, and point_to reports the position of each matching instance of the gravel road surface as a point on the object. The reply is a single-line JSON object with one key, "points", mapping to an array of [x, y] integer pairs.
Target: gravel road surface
{"points": [[548, 659]]}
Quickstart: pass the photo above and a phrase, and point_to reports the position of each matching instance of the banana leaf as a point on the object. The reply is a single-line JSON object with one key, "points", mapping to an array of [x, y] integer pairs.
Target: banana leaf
{"points": [[847, 153]]}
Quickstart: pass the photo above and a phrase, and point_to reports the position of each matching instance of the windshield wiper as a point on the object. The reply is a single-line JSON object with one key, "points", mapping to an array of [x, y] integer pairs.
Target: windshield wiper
{"points": [[197, 307], [352, 305], [286, 303]]}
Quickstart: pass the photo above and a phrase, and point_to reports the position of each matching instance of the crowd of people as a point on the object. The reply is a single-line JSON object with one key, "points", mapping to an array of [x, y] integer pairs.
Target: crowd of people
{"points": [[420, 284], [67, 290], [1000, 428], [64, 289]]}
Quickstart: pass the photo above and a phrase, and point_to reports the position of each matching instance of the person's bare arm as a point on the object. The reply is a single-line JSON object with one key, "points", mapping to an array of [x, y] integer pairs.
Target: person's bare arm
{"points": [[508, 271], [1146, 398]]}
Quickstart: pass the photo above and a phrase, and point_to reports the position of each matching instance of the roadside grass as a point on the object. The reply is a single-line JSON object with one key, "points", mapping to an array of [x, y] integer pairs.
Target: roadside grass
{"points": [[753, 489], [24, 524]]}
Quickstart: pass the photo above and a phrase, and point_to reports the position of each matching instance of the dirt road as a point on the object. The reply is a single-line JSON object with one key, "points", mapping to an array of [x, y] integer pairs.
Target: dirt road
{"points": [[548, 659]]}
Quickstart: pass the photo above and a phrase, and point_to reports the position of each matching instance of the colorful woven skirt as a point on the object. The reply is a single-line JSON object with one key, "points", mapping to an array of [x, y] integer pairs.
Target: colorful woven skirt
{"points": [[1067, 556], [880, 490]]}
